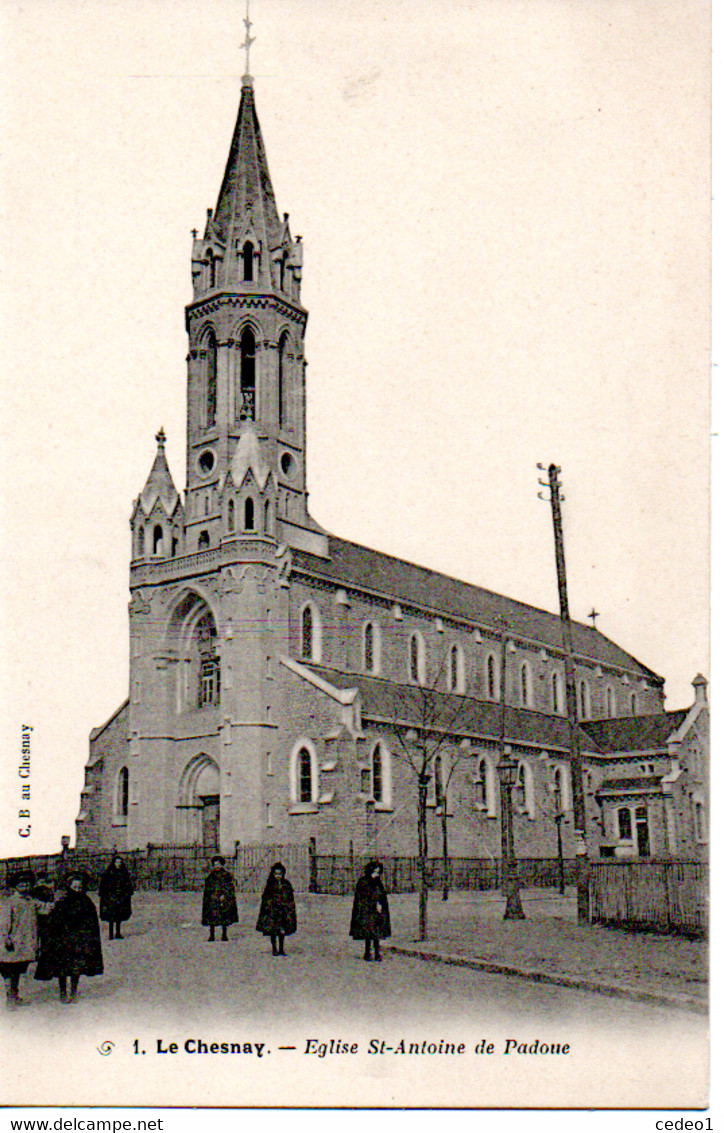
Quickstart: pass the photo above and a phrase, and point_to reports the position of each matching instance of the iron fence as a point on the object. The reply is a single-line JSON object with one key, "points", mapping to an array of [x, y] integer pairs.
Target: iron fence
{"points": [[338, 873]]}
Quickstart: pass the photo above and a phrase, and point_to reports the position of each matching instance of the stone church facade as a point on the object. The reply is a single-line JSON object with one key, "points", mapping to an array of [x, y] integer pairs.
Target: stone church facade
{"points": [[276, 670]]}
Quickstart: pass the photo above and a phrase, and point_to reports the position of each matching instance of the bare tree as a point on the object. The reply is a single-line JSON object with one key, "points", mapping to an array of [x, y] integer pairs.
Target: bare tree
{"points": [[424, 719]]}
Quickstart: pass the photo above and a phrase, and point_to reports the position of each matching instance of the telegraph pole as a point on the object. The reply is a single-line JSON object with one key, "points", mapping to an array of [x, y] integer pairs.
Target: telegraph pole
{"points": [[507, 771], [574, 742]]}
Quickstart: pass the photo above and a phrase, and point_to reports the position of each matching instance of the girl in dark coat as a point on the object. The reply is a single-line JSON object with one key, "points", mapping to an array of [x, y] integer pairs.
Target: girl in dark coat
{"points": [[219, 906], [370, 912], [278, 914], [115, 892], [72, 941]]}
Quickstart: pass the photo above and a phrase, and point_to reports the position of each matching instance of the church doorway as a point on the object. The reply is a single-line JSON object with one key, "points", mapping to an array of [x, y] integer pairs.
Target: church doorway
{"points": [[210, 823], [197, 811]]}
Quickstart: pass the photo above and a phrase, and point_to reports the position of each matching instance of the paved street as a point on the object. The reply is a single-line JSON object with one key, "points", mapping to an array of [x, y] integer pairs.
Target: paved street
{"points": [[165, 983], [165, 962]]}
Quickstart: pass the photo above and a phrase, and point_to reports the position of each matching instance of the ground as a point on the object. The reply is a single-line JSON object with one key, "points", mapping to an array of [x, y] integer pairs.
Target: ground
{"points": [[165, 982]]}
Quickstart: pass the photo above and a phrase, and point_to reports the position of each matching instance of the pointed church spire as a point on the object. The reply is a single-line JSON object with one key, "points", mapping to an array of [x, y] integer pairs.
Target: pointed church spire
{"points": [[159, 485], [246, 211]]}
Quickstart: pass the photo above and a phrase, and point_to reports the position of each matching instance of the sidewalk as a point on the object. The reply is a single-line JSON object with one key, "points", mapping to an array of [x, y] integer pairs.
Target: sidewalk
{"points": [[550, 947]]}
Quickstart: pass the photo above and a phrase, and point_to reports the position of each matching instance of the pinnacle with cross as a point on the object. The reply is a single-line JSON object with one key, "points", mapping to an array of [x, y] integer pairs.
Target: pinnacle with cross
{"points": [[248, 40], [593, 615]]}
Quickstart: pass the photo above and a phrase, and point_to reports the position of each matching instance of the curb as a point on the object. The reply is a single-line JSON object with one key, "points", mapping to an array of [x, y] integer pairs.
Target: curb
{"points": [[615, 991]]}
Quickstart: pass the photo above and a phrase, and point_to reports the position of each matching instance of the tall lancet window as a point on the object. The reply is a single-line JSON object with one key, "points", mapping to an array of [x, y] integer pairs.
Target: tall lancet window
{"points": [[248, 376], [211, 381], [282, 379], [247, 260]]}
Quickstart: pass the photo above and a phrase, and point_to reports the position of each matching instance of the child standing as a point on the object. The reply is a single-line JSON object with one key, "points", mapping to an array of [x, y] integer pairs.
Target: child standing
{"points": [[19, 927], [278, 914]]}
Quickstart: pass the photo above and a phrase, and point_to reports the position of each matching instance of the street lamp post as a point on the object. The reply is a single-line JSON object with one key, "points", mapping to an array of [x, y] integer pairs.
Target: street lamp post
{"points": [[558, 818], [508, 770]]}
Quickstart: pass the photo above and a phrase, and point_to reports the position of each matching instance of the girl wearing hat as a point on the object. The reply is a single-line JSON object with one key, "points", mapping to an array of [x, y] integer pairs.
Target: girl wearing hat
{"points": [[19, 928], [370, 912], [278, 914], [114, 892], [219, 904], [72, 946]]}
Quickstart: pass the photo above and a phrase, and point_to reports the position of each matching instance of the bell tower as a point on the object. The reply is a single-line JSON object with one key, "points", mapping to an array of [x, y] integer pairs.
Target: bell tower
{"points": [[246, 450]]}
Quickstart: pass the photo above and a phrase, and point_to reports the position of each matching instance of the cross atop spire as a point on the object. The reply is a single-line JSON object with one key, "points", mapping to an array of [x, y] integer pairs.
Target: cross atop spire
{"points": [[246, 45]]}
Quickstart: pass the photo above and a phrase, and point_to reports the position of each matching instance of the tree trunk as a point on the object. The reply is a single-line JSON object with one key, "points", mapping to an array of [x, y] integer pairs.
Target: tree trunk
{"points": [[422, 852]]}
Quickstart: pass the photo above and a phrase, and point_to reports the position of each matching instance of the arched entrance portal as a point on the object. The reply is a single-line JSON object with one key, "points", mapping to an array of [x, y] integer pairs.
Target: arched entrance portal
{"points": [[197, 812]]}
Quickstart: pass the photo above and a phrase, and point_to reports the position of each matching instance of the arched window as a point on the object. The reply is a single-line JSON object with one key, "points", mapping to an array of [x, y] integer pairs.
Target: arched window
{"points": [[174, 543], [248, 261], [625, 829], [282, 378], [122, 793], [633, 703], [141, 542], [230, 517], [247, 399], [438, 782], [485, 786], [248, 514], [524, 789], [303, 773], [211, 268], [417, 658], [557, 693], [456, 669], [158, 539], [311, 633], [371, 648], [561, 788], [203, 540], [526, 689], [700, 834], [584, 701], [211, 368], [491, 677], [209, 674], [610, 703], [267, 518]]}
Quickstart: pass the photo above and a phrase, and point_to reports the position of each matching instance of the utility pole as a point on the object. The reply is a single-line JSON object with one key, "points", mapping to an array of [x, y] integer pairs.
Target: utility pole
{"points": [[574, 743]]}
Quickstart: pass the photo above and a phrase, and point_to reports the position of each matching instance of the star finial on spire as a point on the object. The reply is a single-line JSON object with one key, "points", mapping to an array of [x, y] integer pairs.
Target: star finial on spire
{"points": [[248, 40]]}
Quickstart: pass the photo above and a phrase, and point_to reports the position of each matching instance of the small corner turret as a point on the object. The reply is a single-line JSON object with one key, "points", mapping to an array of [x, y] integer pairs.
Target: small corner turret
{"points": [[157, 519]]}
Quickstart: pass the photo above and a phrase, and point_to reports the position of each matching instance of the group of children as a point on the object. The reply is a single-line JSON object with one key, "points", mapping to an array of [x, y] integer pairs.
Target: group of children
{"points": [[60, 928]]}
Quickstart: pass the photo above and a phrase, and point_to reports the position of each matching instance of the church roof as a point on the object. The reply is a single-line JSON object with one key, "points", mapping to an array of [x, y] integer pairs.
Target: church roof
{"points": [[634, 733], [159, 485], [459, 714], [351, 565], [246, 200]]}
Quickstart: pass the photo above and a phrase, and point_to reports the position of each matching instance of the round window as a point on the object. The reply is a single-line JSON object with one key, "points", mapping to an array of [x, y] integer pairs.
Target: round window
{"points": [[288, 465], [207, 460]]}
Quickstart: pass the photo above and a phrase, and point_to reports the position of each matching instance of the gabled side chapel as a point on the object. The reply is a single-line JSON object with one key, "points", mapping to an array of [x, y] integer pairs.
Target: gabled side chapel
{"points": [[267, 655]]}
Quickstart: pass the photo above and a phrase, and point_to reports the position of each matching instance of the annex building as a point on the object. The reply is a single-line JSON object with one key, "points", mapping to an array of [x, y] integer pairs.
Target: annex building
{"points": [[274, 668]]}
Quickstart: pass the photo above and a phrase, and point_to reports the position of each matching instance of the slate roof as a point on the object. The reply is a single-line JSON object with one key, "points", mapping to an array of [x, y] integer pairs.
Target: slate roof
{"points": [[351, 565], [634, 733], [464, 714], [246, 197]]}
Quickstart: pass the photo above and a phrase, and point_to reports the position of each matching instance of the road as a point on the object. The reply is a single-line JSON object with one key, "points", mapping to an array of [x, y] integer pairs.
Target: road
{"points": [[165, 982]]}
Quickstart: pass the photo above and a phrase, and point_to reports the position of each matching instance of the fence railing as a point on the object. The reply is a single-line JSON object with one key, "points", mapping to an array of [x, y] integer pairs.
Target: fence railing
{"points": [[664, 896], [338, 873], [171, 867]]}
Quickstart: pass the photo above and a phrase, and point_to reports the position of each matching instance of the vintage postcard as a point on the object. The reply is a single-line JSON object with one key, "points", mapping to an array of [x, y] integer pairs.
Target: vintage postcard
{"points": [[355, 549]]}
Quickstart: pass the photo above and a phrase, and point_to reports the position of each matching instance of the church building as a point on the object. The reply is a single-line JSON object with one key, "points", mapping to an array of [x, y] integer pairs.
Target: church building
{"points": [[276, 670]]}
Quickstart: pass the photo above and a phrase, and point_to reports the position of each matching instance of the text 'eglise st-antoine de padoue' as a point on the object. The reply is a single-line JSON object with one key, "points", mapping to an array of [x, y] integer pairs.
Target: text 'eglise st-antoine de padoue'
{"points": [[336, 1046]]}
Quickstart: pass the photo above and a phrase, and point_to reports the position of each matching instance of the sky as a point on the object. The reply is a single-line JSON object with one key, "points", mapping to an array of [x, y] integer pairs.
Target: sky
{"points": [[504, 206]]}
